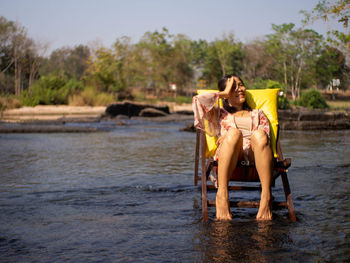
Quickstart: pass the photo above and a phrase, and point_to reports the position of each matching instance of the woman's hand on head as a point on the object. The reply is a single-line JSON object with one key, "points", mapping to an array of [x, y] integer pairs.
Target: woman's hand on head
{"points": [[229, 85]]}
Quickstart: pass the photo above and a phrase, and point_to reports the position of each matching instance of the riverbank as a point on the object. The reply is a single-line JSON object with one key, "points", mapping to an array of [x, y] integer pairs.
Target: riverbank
{"points": [[60, 118], [58, 113], [62, 113]]}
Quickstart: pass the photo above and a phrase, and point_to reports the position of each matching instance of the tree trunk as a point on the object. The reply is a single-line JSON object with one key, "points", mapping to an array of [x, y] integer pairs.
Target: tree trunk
{"points": [[19, 84], [292, 81], [16, 68], [285, 72], [297, 80], [34, 67]]}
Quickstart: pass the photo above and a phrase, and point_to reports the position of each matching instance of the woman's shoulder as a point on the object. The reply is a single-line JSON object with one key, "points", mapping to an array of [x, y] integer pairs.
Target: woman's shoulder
{"points": [[257, 111]]}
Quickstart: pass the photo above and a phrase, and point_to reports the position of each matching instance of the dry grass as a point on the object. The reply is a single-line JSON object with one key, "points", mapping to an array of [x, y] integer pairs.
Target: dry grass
{"points": [[9, 102], [339, 104], [90, 97], [341, 101]]}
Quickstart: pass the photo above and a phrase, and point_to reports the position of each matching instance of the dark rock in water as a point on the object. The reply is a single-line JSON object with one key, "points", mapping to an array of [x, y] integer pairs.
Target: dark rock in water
{"points": [[185, 112], [131, 109], [151, 112], [121, 117], [189, 128]]}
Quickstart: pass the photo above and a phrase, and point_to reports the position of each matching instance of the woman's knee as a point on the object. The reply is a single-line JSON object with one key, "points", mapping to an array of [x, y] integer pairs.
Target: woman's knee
{"points": [[233, 136], [259, 139]]}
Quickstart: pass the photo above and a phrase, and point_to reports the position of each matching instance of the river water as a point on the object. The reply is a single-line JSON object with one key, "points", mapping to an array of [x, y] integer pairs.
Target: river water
{"points": [[127, 195]]}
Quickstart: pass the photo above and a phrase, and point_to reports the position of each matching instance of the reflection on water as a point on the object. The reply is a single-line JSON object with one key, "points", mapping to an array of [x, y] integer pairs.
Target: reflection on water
{"points": [[126, 196]]}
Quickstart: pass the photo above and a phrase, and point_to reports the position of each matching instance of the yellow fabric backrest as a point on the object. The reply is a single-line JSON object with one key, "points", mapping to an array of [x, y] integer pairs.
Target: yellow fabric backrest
{"points": [[264, 99]]}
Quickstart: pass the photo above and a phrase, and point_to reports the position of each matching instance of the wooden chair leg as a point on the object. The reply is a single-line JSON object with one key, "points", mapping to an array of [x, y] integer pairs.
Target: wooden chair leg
{"points": [[204, 198], [204, 177], [288, 195], [196, 161]]}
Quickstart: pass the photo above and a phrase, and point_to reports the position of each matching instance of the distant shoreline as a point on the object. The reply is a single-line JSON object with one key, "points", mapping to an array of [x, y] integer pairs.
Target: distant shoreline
{"points": [[65, 113], [54, 118], [51, 113], [59, 119]]}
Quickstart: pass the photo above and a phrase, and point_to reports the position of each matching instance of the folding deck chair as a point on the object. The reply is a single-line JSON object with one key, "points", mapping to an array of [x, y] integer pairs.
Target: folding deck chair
{"points": [[266, 100]]}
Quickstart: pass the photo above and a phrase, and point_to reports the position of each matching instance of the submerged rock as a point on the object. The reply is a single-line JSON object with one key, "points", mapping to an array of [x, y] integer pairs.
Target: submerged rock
{"points": [[189, 128], [151, 112], [132, 109]]}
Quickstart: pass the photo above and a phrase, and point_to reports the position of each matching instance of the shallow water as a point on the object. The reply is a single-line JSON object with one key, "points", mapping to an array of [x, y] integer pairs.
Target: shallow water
{"points": [[127, 195]]}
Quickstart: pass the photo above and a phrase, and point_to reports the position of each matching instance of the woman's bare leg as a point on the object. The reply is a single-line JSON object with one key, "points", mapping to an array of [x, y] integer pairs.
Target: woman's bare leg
{"points": [[263, 162], [229, 151]]}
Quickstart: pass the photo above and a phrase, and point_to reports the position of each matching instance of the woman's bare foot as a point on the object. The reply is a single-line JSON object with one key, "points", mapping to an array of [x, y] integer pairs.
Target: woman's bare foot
{"points": [[265, 207], [222, 207]]}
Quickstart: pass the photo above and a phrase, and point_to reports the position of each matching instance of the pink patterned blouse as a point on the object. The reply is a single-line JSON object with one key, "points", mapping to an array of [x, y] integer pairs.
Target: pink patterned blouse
{"points": [[219, 121]]}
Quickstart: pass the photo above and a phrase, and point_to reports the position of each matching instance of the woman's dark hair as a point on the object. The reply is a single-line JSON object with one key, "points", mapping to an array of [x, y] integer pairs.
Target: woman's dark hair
{"points": [[222, 86]]}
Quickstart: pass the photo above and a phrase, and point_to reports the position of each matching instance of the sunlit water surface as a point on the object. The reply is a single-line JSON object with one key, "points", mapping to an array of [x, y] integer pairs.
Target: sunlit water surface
{"points": [[127, 195]]}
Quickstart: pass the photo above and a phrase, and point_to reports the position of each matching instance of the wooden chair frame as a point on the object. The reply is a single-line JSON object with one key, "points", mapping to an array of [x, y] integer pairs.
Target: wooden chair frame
{"points": [[280, 169]]}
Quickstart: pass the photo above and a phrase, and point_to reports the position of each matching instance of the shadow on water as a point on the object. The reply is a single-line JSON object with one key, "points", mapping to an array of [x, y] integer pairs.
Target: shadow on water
{"points": [[252, 241], [242, 242], [127, 196]]}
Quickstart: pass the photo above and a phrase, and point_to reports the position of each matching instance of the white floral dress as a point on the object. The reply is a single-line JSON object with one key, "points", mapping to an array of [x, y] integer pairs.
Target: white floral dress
{"points": [[205, 107]]}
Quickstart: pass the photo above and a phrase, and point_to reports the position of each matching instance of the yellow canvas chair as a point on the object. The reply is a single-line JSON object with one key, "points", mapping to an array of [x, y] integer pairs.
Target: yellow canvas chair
{"points": [[266, 100]]}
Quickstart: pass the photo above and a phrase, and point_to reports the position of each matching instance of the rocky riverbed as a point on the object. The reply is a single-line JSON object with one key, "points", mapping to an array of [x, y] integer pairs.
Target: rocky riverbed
{"points": [[63, 118], [87, 119]]}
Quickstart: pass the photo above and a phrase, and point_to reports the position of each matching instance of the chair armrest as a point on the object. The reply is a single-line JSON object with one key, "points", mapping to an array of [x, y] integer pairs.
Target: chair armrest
{"points": [[285, 164]]}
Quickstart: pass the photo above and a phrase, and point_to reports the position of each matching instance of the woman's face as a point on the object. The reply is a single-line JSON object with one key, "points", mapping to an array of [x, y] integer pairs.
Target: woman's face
{"points": [[237, 94]]}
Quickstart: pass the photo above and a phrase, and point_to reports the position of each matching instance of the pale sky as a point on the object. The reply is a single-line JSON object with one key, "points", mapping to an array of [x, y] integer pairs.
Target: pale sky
{"points": [[73, 22]]}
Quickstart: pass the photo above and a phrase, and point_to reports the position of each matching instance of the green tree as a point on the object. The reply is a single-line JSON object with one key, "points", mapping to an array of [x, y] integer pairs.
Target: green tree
{"points": [[67, 62], [295, 52], [102, 70], [157, 57], [20, 57], [257, 63], [308, 46], [182, 63], [112, 70], [339, 10], [330, 65], [223, 57]]}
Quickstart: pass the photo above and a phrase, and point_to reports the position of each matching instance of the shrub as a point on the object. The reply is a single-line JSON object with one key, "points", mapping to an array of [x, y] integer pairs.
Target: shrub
{"points": [[283, 103], [91, 97], [103, 99], [139, 96], [267, 84], [125, 95], [179, 99], [50, 90], [313, 100]]}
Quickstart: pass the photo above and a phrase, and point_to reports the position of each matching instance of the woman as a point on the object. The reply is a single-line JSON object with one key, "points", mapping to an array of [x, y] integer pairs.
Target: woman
{"points": [[244, 134]]}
